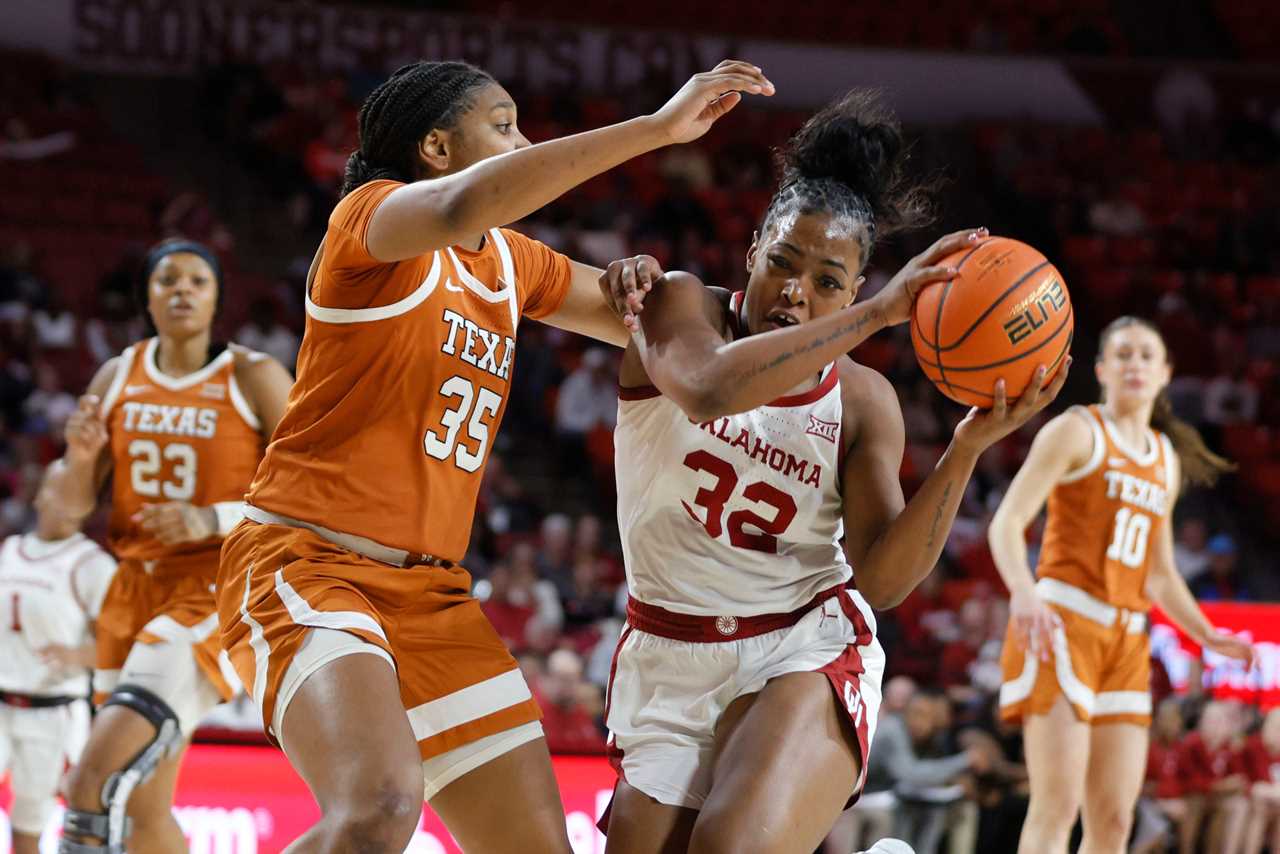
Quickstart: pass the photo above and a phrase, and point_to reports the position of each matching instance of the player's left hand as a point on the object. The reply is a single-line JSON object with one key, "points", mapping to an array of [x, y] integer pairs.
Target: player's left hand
{"points": [[1227, 644], [981, 428], [177, 521], [624, 285]]}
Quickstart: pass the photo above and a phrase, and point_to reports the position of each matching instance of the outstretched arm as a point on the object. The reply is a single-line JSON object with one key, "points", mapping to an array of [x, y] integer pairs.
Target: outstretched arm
{"points": [[428, 215], [689, 360], [892, 547], [1167, 589]]}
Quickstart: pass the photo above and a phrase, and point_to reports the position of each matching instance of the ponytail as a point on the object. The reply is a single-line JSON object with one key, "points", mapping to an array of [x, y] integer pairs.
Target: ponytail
{"points": [[1200, 465]]}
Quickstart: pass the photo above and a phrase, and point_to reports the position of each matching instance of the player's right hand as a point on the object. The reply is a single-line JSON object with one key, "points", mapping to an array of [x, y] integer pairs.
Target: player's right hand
{"points": [[898, 297], [624, 284], [85, 431], [1034, 623], [707, 96]]}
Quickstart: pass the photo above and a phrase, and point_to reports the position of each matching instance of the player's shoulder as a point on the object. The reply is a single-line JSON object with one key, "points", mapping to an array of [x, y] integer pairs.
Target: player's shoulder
{"points": [[1069, 430], [249, 362], [860, 384]]}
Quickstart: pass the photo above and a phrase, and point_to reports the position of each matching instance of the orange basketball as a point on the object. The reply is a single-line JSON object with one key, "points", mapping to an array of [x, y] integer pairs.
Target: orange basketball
{"points": [[1004, 315]]}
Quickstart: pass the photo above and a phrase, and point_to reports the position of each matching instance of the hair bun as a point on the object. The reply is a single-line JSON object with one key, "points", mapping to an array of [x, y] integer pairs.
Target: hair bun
{"points": [[858, 142]]}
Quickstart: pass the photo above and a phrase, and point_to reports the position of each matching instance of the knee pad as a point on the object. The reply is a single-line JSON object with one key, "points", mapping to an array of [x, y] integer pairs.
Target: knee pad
{"points": [[112, 826]]}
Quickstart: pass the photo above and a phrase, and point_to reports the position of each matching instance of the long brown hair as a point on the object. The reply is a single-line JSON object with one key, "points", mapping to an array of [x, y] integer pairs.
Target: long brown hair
{"points": [[1199, 464]]}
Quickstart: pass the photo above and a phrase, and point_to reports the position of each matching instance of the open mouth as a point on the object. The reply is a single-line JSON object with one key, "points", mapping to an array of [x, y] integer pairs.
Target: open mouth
{"points": [[781, 320]]}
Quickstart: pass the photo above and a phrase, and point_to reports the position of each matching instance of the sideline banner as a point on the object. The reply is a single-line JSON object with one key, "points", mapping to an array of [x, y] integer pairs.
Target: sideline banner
{"points": [[1224, 678], [247, 800]]}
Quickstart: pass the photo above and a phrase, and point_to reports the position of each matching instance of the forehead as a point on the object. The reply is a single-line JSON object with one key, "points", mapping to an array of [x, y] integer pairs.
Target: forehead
{"points": [[490, 97], [820, 235], [1135, 336], [183, 264]]}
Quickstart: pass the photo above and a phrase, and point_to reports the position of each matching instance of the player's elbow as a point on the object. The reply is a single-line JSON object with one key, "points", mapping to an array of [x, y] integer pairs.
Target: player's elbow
{"points": [[881, 593], [701, 396], [1003, 526]]}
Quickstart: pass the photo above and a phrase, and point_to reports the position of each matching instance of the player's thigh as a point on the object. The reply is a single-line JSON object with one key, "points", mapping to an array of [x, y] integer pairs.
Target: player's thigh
{"points": [[36, 767], [117, 735], [786, 763], [639, 824], [346, 733], [509, 805], [1056, 746], [1117, 766]]}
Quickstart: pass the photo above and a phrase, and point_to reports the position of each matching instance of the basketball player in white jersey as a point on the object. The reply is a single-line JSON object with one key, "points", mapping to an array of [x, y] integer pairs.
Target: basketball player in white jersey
{"points": [[52, 582], [746, 683]]}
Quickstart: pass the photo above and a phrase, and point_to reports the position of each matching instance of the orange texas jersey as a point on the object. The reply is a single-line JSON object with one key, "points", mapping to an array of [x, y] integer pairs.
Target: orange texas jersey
{"points": [[1104, 516], [402, 382], [191, 438]]}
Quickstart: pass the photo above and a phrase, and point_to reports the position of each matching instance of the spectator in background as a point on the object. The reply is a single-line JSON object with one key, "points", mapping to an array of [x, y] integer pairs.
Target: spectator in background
{"points": [[54, 325], [588, 399], [1230, 397], [1262, 764], [50, 405], [568, 718], [266, 333], [1213, 768], [523, 609], [555, 561], [1190, 552], [928, 799], [1222, 583], [1166, 805]]}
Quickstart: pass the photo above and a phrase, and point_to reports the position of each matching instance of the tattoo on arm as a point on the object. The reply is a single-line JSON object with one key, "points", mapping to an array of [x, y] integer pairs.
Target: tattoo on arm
{"points": [[854, 326], [937, 515]]}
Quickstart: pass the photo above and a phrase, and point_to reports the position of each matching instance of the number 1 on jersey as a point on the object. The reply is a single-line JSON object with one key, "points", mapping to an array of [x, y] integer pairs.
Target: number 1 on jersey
{"points": [[16, 621]]}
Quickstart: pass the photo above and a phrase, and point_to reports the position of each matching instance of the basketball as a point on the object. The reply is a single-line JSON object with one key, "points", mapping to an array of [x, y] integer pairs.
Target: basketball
{"points": [[1006, 313]]}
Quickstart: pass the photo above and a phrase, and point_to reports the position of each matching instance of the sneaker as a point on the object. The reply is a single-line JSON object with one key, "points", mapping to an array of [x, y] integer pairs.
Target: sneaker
{"points": [[889, 846]]}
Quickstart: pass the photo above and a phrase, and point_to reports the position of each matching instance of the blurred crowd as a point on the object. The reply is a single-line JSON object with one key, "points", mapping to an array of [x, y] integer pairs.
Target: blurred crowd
{"points": [[1173, 218]]}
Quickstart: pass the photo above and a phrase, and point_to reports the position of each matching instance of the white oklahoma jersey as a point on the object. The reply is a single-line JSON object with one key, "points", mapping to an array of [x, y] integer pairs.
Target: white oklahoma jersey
{"points": [[731, 531], [741, 515], [49, 594]]}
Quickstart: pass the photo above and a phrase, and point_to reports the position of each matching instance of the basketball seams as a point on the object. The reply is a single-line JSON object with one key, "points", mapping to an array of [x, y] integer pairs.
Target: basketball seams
{"points": [[1066, 348], [970, 368], [986, 312], [959, 264]]}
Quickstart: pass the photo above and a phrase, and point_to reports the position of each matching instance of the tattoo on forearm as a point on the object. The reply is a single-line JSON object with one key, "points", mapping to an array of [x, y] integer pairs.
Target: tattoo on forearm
{"points": [[937, 515], [854, 326]]}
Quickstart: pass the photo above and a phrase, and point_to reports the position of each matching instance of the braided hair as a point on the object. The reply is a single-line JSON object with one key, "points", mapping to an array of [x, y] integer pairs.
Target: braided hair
{"points": [[849, 160], [1200, 465], [402, 110]]}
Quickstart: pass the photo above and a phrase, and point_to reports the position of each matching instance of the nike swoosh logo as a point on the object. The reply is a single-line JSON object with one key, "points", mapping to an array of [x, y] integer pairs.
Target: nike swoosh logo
{"points": [[450, 286], [135, 389]]}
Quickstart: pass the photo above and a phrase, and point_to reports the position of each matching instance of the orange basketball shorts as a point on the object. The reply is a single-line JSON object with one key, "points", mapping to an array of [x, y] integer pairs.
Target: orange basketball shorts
{"points": [[1100, 661], [168, 607], [277, 583]]}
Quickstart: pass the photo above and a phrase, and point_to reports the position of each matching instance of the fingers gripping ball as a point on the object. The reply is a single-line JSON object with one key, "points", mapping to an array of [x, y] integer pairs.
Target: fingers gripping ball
{"points": [[1006, 313]]}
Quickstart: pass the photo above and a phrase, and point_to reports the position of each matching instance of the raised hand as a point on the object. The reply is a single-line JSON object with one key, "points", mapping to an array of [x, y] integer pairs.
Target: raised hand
{"points": [[707, 96], [899, 295], [85, 432], [982, 428], [177, 521], [625, 283]]}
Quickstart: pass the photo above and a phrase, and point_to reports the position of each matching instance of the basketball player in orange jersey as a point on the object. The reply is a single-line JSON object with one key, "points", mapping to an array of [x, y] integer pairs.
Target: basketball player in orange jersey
{"points": [[342, 603], [1076, 656], [178, 422], [762, 516]]}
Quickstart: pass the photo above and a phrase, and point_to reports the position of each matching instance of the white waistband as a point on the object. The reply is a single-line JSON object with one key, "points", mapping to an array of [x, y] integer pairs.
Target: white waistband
{"points": [[1087, 605], [352, 542]]}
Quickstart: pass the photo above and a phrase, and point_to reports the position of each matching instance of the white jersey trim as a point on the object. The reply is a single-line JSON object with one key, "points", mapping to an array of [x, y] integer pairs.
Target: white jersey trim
{"points": [[242, 407], [1169, 454], [508, 275], [163, 380], [117, 382], [468, 704], [1095, 457], [1143, 459], [382, 312]]}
